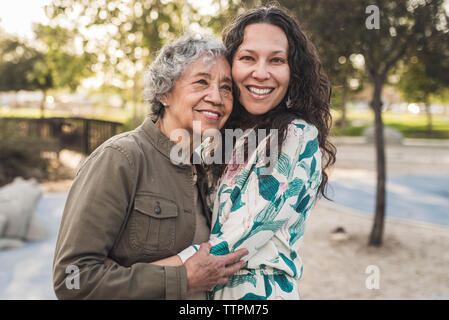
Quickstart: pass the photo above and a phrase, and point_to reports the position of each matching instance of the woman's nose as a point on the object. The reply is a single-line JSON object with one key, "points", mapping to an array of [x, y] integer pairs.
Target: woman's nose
{"points": [[260, 72], [214, 96]]}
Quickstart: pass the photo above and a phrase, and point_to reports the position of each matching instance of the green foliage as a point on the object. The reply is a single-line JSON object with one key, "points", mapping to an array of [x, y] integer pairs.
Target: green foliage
{"points": [[54, 65], [416, 86], [411, 126], [439, 130], [412, 131], [17, 62], [442, 97], [349, 131], [65, 68]]}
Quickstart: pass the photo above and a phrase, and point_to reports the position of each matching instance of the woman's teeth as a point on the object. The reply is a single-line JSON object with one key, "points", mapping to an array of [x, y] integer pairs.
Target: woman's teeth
{"points": [[260, 91], [211, 114]]}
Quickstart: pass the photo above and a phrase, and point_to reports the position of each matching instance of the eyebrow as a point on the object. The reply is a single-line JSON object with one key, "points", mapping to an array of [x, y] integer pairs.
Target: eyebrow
{"points": [[207, 75], [204, 74], [227, 79], [254, 52]]}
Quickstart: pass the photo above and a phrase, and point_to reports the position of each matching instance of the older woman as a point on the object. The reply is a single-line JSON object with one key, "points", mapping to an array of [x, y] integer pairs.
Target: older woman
{"points": [[131, 205]]}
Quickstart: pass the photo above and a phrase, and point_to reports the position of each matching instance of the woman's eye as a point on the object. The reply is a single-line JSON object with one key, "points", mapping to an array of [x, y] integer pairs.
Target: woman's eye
{"points": [[202, 81], [227, 88], [278, 60], [246, 58]]}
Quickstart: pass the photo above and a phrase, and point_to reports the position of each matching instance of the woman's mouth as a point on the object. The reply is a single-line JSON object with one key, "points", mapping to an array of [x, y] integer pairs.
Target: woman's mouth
{"points": [[210, 115], [260, 92]]}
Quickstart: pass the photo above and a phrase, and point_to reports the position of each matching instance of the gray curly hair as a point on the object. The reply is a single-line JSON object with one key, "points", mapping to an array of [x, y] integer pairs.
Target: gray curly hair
{"points": [[170, 64]]}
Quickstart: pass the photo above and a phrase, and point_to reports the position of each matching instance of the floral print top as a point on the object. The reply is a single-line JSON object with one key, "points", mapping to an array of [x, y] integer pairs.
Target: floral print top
{"points": [[265, 211]]}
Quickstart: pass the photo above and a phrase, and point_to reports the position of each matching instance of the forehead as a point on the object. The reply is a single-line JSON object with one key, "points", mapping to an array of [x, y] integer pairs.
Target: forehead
{"points": [[215, 66], [264, 36]]}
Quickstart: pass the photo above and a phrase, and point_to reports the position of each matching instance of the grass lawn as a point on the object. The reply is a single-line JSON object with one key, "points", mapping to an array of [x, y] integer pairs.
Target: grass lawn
{"points": [[410, 125], [107, 114]]}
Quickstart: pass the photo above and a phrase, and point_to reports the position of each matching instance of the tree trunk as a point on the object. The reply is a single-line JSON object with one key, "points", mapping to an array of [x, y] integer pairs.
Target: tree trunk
{"points": [[429, 120], [42, 107], [379, 217]]}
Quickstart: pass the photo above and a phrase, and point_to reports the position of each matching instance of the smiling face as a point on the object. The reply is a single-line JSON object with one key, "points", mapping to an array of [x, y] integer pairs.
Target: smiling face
{"points": [[260, 68], [203, 93]]}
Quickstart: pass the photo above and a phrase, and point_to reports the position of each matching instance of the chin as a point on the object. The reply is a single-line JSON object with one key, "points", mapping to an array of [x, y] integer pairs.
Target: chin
{"points": [[258, 111], [209, 127]]}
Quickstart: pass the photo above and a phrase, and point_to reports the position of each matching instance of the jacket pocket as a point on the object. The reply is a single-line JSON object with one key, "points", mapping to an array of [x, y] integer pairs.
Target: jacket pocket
{"points": [[153, 224]]}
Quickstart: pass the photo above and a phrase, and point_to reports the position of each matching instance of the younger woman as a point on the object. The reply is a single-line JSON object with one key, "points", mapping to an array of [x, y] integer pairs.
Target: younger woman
{"points": [[262, 206]]}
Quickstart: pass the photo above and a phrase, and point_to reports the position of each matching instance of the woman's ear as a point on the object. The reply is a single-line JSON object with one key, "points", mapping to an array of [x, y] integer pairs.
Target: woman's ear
{"points": [[163, 100]]}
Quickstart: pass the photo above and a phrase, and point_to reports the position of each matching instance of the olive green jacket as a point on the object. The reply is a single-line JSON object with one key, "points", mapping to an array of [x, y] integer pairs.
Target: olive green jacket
{"points": [[131, 204]]}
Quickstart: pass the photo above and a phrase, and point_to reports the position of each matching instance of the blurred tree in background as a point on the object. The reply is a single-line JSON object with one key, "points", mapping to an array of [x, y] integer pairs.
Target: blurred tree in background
{"points": [[123, 36], [418, 87], [51, 63], [17, 61], [58, 65], [425, 75]]}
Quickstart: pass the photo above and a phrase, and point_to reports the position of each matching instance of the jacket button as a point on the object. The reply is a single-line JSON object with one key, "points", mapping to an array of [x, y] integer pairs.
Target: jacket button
{"points": [[157, 209]]}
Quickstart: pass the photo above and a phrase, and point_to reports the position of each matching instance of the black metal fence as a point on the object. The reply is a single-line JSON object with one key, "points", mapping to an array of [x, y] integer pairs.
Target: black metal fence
{"points": [[78, 134]]}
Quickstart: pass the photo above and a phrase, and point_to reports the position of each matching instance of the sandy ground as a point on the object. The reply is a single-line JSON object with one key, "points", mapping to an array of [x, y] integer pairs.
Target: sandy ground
{"points": [[413, 261]]}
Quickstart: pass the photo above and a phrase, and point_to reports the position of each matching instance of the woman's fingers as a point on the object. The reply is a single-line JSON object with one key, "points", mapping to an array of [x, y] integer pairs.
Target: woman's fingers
{"points": [[205, 246], [223, 281], [233, 268], [205, 270], [235, 256]]}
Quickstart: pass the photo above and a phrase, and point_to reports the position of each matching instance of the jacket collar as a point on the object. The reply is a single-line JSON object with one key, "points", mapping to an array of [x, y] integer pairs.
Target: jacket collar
{"points": [[159, 140]]}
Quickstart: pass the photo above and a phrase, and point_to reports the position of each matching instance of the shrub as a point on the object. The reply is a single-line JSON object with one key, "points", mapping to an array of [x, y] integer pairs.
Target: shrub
{"points": [[22, 155]]}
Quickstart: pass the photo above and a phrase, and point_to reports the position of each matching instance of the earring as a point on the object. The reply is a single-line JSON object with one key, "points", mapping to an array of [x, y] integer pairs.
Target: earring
{"points": [[163, 101], [288, 103]]}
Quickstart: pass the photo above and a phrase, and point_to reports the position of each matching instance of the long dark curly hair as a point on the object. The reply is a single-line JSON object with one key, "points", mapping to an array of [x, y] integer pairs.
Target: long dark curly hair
{"points": [[308, 93]]}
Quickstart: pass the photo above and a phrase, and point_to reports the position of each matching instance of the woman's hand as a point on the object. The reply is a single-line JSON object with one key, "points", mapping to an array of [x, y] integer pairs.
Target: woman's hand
{"points": [[205, 271]]}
